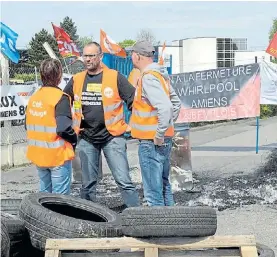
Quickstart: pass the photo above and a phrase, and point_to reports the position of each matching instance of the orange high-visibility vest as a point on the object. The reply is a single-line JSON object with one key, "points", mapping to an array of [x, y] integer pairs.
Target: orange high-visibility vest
{"points": [[112, 103], [45, 147], [144, 119], [134, 76]]}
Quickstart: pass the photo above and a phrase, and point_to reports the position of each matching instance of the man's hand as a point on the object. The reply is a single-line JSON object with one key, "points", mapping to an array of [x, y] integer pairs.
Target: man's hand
{"points": [[158, 141]]}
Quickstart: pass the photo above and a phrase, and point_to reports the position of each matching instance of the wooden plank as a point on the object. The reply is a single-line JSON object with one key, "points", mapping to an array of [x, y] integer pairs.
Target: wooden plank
{"points": [[99, 254], [151, 252], [190, 253], [52, 253], [248, 251], [137, 249], [162, 243]]}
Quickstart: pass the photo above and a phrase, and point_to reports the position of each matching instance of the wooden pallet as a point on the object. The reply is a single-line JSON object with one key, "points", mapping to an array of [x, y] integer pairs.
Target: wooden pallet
{"points": [[151, 247]]}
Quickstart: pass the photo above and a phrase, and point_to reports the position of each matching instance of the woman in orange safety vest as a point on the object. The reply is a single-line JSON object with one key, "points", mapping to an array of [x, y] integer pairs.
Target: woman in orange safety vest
{"points": [[51, 138]]}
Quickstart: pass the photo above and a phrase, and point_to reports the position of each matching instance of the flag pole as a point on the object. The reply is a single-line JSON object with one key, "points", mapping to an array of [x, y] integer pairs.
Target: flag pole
{"points": [[51, 53], [66, 65], [257, 123]]}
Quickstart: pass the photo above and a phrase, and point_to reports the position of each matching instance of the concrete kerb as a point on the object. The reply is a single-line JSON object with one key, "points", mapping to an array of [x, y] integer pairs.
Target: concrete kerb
{"points": [[220, 124]]}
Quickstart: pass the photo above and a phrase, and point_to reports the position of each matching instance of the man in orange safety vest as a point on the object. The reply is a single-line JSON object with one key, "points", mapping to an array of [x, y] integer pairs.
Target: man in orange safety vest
{"points": [[156, 106], [98, 94]]}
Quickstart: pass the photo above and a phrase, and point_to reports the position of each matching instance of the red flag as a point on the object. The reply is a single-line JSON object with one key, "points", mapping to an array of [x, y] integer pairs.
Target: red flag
{"points": [[272, 48], [66, 46], [110, 46]]}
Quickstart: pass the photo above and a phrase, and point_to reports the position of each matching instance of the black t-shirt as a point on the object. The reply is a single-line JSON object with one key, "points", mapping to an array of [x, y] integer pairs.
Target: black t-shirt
{"points": [[93, 123]]}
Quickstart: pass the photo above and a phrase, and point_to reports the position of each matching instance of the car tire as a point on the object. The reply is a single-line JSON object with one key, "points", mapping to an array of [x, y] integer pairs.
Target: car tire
{"points": [[173, 221], [61, 216]]}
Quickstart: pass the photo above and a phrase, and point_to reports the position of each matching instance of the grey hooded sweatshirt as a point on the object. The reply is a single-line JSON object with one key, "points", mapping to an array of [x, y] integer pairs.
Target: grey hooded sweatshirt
{"points": [[153, 92]]}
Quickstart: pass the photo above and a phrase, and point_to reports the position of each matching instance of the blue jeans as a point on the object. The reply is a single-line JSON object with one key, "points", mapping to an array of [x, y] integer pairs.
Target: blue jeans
{"points": [[115, 152], [55, 179], [155, 168]]}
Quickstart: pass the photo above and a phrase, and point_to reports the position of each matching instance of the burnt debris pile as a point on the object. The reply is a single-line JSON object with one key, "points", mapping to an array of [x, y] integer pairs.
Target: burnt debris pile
{"points": [[223, 193]]}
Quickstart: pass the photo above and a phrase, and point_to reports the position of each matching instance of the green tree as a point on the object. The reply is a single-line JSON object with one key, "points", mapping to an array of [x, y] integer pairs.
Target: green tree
{"points": [[37, 52], [126, 43], [83, 41], [273, 29], [70, 28]]}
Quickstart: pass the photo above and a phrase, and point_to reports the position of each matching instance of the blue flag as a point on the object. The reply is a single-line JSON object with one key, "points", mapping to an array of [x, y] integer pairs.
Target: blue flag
{"points": [[8, 43]]}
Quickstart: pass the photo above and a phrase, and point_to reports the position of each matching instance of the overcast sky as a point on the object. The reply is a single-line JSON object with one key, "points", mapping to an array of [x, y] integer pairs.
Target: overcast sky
{"points": [[168, 20]]}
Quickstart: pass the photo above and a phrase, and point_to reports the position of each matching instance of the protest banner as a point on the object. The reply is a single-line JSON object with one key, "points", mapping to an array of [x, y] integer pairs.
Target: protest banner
{"points": [[268, 83], [218, 94], [14, 99]]}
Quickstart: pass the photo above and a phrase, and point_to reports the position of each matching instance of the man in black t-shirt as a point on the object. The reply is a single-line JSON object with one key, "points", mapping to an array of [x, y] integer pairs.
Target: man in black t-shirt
{"points": [[94, 135]]}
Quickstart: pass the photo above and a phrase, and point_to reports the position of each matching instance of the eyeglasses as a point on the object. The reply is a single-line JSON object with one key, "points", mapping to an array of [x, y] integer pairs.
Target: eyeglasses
{"points": [[91, 56]]}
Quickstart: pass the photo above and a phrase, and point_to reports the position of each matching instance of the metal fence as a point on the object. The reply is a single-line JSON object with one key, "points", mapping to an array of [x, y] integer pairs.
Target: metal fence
{"points": [[13, 134], [14, 131]]}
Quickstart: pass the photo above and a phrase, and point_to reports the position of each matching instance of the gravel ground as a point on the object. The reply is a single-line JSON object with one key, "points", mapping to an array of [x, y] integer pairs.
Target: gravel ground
{"points": [[228, 176], [259, 220]]}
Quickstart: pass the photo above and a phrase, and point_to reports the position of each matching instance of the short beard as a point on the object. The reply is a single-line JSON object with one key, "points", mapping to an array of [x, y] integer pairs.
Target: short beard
{"points": [[94, 68]]}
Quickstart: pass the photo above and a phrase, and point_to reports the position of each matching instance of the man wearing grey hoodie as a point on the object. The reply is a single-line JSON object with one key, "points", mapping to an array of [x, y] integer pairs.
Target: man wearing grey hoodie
{"points": [[156, 106]]}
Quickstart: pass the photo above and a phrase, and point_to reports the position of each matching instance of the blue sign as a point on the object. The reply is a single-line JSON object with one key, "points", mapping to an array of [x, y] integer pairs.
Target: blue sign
{"points": [[8, 43]]}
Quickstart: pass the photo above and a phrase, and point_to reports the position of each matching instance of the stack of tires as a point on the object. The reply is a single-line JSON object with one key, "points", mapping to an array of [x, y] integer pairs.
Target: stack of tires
{"points": [[39, 216]]}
